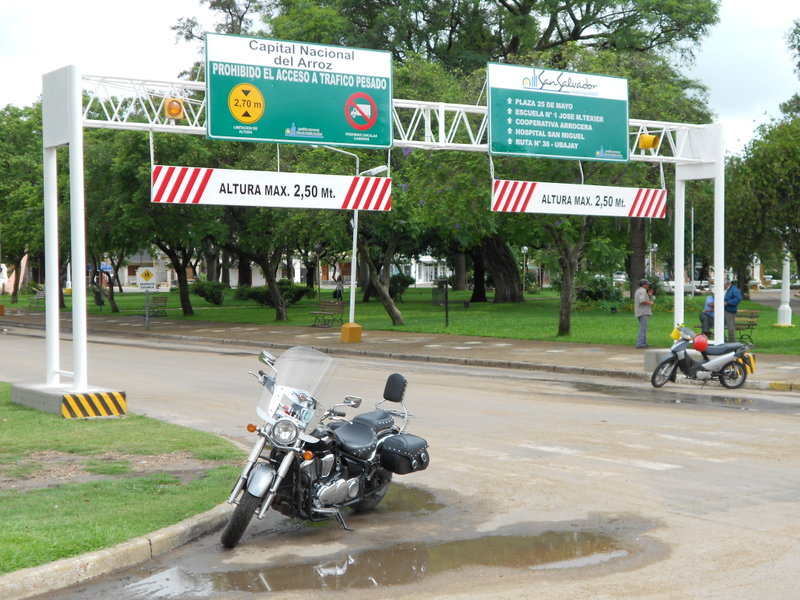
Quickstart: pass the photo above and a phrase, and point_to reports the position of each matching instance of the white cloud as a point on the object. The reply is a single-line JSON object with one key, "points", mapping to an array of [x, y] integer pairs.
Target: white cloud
{"points": [[747, 65], [100, 37]]}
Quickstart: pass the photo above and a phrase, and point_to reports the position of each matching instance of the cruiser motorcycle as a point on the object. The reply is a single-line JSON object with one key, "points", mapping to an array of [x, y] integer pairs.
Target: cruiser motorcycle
{"points": [[310, 462], [729, 363]]}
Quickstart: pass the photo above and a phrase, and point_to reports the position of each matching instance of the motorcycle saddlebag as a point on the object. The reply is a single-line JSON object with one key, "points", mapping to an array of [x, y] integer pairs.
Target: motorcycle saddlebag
{"points": [[404, 453]]}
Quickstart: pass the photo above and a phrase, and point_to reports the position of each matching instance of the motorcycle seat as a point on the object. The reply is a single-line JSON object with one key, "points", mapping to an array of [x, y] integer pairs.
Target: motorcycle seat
{"points": [[723, 348], [378, 420], [356, 439]]}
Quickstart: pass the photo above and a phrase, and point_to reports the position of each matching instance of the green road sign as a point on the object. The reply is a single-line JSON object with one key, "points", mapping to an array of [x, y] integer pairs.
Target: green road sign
{"points": [[276, 91], [557, 114]]}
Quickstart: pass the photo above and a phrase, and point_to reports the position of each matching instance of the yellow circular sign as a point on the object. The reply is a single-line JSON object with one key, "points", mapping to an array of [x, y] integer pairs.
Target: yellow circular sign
{"points": [[246, 103]]}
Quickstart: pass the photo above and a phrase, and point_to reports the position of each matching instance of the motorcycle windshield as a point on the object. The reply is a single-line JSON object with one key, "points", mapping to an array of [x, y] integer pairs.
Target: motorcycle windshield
{"points": [[302, 374]]}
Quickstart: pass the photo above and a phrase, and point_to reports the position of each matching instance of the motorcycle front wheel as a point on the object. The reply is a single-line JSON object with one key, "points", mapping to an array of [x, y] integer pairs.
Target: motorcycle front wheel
{"points": [[378, 488], [248, 503], [662, 374], [733, 375]]}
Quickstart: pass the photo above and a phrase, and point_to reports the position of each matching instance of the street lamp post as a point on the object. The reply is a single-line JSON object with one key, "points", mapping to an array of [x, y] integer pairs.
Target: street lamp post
{"points": [[351, 332], [524, 251]]}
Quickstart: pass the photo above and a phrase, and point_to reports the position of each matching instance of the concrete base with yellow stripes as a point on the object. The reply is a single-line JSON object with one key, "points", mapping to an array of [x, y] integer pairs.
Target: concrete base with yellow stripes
{"points": [[71, 404]]}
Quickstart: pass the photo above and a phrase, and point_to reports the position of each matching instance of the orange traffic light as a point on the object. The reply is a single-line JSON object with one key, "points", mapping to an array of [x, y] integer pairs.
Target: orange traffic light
{"points": [[647, 141], [174, 109]]}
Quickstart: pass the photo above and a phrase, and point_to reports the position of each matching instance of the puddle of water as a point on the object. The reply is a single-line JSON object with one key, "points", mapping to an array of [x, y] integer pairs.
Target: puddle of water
{"points": [[400, 564], [672, 396]]}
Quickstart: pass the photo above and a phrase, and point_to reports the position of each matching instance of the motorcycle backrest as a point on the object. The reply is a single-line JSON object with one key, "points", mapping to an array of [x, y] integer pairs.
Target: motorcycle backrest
{"points": [[395, 388]]}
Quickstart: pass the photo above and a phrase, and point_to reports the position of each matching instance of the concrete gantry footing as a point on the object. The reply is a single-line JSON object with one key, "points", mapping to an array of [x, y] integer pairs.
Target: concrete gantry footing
{"points": [[71, 404]]}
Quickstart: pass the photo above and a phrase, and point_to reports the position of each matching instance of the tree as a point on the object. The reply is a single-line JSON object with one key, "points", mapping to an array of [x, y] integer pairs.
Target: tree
{"points": [[772, 176], [21, 202]]}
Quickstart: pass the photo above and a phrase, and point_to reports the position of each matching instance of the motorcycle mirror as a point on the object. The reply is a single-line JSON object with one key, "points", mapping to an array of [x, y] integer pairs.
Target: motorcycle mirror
{"points": [[352, 401], [267, 358]]}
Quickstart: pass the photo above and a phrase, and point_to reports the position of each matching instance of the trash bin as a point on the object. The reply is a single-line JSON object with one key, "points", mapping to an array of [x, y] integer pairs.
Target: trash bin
{"points": [[98, 297]]}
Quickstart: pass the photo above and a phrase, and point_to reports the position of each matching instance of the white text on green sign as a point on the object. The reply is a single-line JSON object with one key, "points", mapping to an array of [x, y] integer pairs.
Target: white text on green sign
{"points": [[279, 91], [557, 114]]}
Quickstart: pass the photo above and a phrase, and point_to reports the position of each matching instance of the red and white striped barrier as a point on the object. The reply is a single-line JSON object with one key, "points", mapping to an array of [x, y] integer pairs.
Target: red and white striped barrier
{"points": [[575, 199], [196, 185]]}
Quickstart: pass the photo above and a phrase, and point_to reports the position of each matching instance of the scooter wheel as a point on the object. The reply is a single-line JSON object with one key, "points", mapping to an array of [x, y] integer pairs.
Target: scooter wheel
{"points": [[733, 375], [662, 374]]}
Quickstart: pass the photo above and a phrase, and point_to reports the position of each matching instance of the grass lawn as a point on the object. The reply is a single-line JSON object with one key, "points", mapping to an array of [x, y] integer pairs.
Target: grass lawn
{"points": [[535, 319], [42, 524]]}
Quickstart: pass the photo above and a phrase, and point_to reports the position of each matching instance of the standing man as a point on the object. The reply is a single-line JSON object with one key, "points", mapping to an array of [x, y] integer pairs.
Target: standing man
{"points": [[732, 298], [707, 315], [643, 308]]}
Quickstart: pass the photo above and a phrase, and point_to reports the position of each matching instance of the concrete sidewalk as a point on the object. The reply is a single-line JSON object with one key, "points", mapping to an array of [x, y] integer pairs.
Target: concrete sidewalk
{"points": [[773, 371]]}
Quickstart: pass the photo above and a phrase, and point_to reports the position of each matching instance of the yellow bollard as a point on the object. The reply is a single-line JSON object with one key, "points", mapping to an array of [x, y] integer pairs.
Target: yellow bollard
{"points": [[351, 332]]}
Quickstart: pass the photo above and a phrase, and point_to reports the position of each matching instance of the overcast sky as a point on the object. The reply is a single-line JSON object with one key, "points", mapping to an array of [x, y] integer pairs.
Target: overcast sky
{"points": [[745, 61]]}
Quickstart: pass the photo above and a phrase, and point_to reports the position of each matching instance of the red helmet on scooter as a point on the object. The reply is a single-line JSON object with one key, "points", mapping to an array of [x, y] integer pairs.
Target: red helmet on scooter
{"points": [[700, 342]]}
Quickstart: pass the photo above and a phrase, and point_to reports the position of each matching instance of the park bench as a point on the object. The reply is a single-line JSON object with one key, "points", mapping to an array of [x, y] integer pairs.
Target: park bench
{"points": [[328, 313], [439, 298], [746, 321], [37, 302], [157, 306]]}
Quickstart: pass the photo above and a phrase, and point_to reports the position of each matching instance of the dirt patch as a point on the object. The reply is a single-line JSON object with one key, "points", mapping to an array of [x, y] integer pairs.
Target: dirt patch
{"points": [[50, 469]]}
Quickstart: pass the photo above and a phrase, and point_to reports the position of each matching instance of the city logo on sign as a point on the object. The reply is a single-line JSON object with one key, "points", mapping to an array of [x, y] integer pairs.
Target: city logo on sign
{"points": [[559, 81]]}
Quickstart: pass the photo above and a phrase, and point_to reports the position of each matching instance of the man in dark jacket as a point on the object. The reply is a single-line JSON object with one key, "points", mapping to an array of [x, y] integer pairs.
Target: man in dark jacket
{"points": [[732, 299]]}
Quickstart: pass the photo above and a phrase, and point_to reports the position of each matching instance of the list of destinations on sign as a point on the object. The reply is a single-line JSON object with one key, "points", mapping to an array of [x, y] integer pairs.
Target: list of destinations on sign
{"points": [[557, 114], [278, 91]]}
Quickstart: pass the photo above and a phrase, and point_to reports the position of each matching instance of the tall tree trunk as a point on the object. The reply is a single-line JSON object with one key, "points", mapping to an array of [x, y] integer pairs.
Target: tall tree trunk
{"points": [[503, 268], [245, 270], [459, 271], [382, 290], [569, 256], [636, 236], [478, 277], [181, 265], [270, 273]]}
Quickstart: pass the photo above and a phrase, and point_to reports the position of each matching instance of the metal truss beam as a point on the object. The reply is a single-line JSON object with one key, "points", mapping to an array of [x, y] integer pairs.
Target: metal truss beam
{"points": [[137, 104]]}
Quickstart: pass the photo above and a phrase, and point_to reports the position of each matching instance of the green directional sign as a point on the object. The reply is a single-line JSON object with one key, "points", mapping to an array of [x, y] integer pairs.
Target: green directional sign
{"points": [[557, 114], [278, 91]]}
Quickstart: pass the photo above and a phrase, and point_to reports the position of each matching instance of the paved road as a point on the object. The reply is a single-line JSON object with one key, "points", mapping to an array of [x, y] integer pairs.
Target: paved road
{"points": [[607, 491]]}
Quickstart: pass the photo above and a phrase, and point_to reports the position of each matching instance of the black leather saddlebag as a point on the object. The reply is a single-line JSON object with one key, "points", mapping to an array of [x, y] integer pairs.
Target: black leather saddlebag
{"points": [[405, 453]]}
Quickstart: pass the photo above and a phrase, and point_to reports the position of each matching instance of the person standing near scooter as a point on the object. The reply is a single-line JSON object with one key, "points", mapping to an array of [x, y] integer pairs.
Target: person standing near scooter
{"points": [[643, 308], [732, 299]]}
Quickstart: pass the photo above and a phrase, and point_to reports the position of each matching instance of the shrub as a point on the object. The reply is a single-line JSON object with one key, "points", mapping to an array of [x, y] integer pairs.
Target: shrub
{"points": [[596, 289], [211, 291], [398, 283], [290, 291]]}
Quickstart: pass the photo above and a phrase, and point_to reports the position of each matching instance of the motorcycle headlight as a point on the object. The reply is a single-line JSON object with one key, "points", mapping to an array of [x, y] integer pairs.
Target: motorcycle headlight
{"points": [[285, 432]]}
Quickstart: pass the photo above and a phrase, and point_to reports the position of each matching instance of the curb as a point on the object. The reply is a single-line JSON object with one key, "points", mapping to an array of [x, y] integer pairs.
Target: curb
{"points": [[783, 386], [66, 572]]}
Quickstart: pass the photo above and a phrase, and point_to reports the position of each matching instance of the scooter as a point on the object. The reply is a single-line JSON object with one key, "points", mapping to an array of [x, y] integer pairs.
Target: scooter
{"points": [[310, 462], [730, 363]]}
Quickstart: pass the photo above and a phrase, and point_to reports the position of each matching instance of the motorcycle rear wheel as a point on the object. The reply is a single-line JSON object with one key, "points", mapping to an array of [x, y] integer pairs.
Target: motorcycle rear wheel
{"points": [[662, 374], [378, 489], [248, 503], [733, 375]]}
